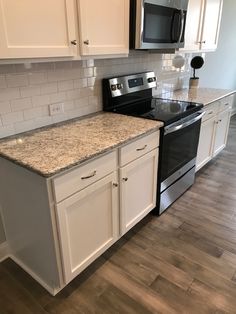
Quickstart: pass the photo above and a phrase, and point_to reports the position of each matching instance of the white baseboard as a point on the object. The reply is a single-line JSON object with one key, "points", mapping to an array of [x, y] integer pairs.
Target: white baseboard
{"points": [[4, 251], [51, 290]]}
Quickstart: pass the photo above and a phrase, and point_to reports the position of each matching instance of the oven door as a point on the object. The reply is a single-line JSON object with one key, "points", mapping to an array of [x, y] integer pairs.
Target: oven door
{"points": [[180, 144], [160, 24]]}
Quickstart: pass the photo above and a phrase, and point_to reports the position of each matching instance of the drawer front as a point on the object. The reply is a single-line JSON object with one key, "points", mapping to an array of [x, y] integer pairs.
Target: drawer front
{"points": [[83, 176], [226, 103], [211, 111], [138, 148]]}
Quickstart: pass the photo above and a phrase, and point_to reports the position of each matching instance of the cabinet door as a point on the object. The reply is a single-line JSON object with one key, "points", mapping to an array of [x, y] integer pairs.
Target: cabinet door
{"points": [[193, 25], [31, 29], [104, 26], [205, 145], [221, 131], [88, 224], [211, 24], [138, 182]]}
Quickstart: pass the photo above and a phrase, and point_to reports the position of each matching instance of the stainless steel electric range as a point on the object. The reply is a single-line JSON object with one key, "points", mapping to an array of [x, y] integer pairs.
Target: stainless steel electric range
{"points": [[132, 95]]}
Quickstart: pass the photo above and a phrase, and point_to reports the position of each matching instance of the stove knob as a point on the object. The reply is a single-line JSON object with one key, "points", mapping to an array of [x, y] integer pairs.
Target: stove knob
{"points": [[113, 87], [119, 86], [150, 79]]}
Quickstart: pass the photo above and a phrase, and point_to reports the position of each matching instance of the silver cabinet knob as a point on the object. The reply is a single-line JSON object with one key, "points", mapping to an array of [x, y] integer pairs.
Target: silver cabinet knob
{"points": [[74, 42], [86, 42]]}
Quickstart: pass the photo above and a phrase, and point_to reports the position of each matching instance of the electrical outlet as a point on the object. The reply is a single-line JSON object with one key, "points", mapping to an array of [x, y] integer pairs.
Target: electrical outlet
{"points": [[55, 109]]}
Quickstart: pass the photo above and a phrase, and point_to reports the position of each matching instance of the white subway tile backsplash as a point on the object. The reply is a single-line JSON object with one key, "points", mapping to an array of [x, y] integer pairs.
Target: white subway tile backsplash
{"points": [[40, 100], [69, 105], [91, 81], [3, 83], [9, 93], [48, 88], [7, 68], [30, 91], [59, 118], [21, 104], [24, 126], [27, 90], [90, 63], [65, 85], [93, 100], [43, 121], [82, 102], [37, 78], [12, 117], [79, 83], [88, 72], [16, 80], [73, 94], [87, 91], [7, 130], [58, 97], [32, 113], [5, 107]]}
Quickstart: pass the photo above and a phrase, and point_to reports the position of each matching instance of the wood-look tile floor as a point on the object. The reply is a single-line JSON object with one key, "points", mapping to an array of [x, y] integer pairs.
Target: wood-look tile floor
{"points": [[181, 262]]}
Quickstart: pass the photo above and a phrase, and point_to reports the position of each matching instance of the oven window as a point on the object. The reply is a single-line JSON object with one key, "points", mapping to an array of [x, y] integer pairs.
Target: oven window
{"points": [[161, 24], [178, 148]]}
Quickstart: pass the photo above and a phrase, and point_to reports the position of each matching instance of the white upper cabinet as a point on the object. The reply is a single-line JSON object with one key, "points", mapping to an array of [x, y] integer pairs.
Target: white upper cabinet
{"points": [[30, 28], [193, 24], [202, 25], [104, 27], [211, 24]]}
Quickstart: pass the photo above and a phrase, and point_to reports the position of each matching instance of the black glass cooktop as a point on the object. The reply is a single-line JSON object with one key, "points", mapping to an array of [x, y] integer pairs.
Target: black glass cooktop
{"points": [[165, 110]]}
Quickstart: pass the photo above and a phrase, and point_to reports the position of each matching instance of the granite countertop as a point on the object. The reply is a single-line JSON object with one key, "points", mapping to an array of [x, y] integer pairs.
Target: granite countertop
{"points": [[203, 96], [50, 150]]}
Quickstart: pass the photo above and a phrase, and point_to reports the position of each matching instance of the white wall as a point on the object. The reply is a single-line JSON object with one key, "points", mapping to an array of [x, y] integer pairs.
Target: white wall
{"points": [[219, 70]]}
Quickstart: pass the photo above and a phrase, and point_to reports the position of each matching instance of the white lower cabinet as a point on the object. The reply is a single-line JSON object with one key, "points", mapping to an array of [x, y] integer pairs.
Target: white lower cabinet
{"points": [[137, 189], [205, 142], [221, 131], [91, 219], [214, 131], [88, 224]]}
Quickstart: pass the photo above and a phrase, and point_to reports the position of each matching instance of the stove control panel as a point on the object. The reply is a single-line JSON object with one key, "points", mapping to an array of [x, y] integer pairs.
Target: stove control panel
{"points": [[123, 85]]}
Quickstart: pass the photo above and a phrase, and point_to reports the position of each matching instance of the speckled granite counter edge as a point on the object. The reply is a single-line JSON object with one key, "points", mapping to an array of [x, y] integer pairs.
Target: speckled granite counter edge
{"points": [[81, 161], [178, 98], [218, 98]]}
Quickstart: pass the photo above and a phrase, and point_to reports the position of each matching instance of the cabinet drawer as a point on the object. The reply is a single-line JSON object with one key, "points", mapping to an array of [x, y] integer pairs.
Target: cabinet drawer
{"points": [[138, 148], [226, 103], [83, 176], [211, 111]]}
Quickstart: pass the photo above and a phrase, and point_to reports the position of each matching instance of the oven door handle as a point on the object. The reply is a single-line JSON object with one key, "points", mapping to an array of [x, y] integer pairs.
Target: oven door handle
{"points": [[178, 127]]}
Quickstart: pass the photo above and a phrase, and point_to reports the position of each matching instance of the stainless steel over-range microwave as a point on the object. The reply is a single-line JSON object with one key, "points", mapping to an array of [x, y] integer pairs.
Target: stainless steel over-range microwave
{"points": [[157, 24]]}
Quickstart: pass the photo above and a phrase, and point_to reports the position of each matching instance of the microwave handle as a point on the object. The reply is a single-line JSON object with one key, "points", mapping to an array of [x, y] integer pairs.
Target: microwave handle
{"points": [[176, 12], [180, 21], [182, 17]]}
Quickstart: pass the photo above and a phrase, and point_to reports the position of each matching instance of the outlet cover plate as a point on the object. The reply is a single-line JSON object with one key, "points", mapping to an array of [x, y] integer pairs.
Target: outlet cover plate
{"points": [[55, 109]]}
